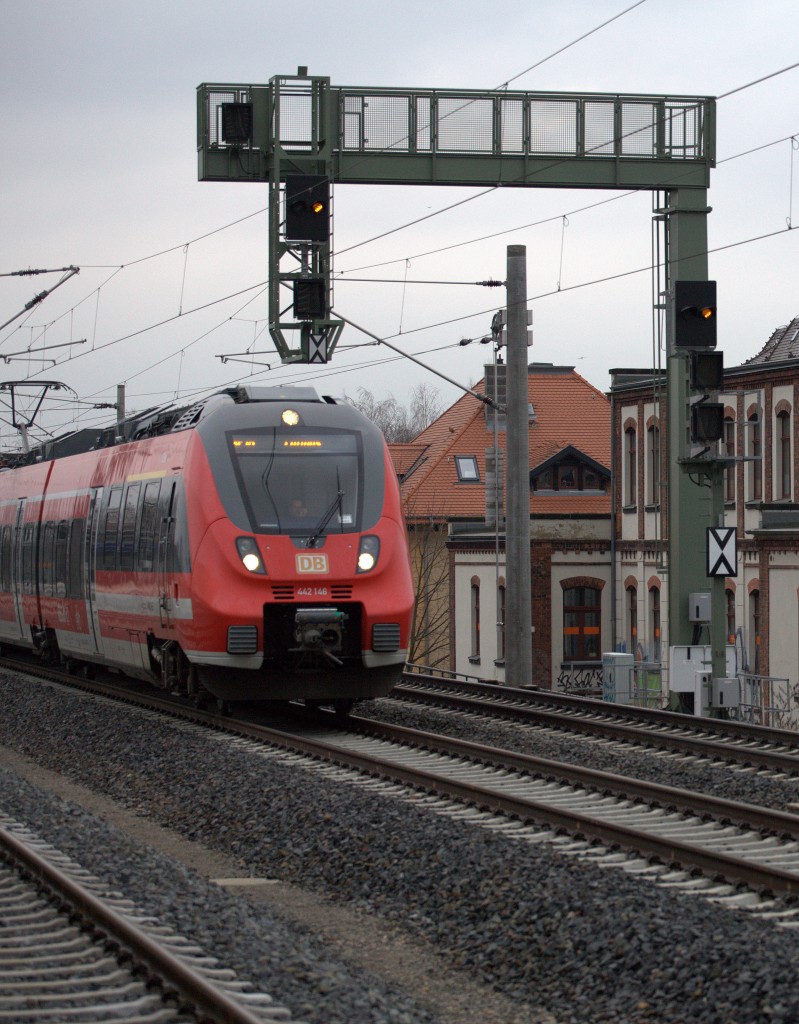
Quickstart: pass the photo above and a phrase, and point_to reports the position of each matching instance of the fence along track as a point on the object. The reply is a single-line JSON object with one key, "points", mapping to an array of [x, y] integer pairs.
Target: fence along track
{"points": [[72, 950]]}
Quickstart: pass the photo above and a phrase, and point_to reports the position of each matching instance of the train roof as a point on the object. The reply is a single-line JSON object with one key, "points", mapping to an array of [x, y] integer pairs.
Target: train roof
{"points": [[160, 420]]}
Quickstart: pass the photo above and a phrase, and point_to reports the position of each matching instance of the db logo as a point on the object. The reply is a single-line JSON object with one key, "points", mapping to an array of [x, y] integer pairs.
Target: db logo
{"points": [[312, 563]]}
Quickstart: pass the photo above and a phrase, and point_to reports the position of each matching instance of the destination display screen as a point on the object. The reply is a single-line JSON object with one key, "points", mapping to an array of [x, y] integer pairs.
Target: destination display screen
{"points": [[277, 444]]}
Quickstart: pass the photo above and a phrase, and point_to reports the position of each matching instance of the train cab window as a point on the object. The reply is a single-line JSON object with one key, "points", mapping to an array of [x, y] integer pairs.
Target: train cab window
{"points": [[60, 560], [107, 546], [298, 482], [149, 527], [127, 546]]}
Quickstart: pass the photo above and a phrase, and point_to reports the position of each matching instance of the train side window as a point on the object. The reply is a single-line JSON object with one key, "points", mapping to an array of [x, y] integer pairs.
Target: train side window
{"points": [[166, 513], [128, 543], [47, 556], [5, 559], [28, 536], [148, 530], [75, 572], [108, 537], [61, 540]]}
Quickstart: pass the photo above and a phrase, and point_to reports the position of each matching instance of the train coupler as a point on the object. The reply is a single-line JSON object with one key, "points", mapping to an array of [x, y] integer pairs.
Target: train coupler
{"points": [[320, 630]]}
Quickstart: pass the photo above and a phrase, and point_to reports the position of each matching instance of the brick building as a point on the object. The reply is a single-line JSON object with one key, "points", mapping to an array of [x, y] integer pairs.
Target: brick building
{"points": [[760, 399], [452, 488]]}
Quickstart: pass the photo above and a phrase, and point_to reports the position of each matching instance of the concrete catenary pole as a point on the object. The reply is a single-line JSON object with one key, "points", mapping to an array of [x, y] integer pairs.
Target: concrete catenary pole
{"points": [[518, 627]]}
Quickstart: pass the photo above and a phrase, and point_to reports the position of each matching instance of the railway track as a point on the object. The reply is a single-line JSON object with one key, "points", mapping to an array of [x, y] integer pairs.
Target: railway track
{"points": [[734, 743], [739, 843], [743, 845], [69, 950]]}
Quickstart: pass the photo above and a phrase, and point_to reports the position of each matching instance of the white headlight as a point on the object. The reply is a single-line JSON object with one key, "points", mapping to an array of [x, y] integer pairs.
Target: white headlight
{"points": [[249, 554], [366, 561], [368, 553]]}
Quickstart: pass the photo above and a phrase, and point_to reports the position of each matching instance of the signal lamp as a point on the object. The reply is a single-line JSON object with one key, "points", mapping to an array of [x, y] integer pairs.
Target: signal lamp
{"points": [[309, 298], [307, 207], [695, 314], [237, 123], [707, 371], [707, 422]]}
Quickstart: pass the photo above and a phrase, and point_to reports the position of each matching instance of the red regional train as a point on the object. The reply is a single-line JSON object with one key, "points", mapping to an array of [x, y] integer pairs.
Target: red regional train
{"points": [[251, 547]]}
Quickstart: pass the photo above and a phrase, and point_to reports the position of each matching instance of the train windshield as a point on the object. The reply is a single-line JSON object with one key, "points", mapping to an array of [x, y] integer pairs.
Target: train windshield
{"points": [[299, 482]]}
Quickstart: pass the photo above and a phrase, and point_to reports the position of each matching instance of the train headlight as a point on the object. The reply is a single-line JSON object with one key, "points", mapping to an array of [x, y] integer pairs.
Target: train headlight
{"points": [[250, 555], [368, 553]]}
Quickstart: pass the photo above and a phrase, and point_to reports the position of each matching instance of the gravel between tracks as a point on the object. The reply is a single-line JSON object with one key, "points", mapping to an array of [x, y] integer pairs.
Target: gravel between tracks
{"points": [[584, 943]]}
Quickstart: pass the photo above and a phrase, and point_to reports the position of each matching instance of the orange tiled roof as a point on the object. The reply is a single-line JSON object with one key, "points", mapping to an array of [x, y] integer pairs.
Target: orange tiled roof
{"points": [[568, 411], [406, 457], [783, 344]]}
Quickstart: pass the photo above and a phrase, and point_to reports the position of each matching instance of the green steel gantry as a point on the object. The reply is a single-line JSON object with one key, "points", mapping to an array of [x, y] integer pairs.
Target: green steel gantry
{"points": [[302, 125]]}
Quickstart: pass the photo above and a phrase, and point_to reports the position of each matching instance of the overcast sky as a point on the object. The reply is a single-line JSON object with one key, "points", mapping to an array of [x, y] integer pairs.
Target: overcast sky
{"points": [[99, 170]]}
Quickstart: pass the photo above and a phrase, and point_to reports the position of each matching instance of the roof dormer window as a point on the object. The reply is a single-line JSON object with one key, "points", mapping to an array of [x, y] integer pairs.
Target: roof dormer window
{"points": [[570, 470]]}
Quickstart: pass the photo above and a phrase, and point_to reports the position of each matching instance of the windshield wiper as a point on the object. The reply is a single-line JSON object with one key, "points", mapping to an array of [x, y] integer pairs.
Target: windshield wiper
{"points": [[320, 529]]}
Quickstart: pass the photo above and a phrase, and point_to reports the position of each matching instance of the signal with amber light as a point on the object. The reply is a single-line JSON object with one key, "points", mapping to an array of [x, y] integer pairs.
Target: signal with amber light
{"points": [[694, 315], [307, 207]]}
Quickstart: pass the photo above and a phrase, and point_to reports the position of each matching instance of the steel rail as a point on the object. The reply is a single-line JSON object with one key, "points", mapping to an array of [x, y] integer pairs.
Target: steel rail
{"points": [[780, 823], [591, 705], [653, 735], [178, 980], [670, 851]]}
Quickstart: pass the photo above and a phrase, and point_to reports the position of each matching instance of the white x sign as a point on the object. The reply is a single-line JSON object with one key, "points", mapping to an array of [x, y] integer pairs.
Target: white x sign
{"points": [[722, 551]]}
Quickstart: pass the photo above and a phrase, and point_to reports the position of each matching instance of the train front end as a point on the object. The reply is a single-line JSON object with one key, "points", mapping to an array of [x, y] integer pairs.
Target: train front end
{"points": [[304, 582]]}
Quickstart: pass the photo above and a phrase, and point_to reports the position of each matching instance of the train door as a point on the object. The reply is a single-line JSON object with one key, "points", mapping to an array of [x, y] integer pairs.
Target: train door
{"points": [[90, 570], [166, 546], [17, 586]]}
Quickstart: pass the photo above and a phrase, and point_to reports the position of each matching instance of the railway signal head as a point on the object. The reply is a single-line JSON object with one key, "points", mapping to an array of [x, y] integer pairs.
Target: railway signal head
{"points": [[310, 298], [707, 371], [307, 207], [707, 422], [695, 315]]}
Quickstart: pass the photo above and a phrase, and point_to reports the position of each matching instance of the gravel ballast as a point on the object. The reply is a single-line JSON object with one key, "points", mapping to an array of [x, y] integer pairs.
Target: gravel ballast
{"points": [[584, 942]]}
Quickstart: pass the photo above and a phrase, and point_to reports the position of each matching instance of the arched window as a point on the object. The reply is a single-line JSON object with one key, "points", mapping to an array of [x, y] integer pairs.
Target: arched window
{"points": [[632, 619], [582, 617], [729, 450], [630, 466], [654, 622], [475, 624], [653, 465], [754, 632], [501, 621], [784, 474], [756, 452], [730, 598]]}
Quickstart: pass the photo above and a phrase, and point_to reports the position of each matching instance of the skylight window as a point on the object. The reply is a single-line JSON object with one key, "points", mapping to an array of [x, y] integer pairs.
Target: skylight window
{"points": [[466, 465]]}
